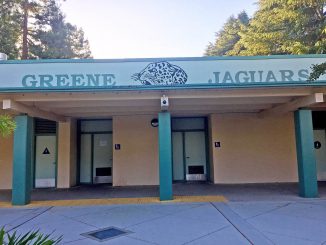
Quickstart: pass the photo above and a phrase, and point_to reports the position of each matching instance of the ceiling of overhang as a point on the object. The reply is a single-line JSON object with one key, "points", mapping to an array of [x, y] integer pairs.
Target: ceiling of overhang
{"points": [[182, 102]]}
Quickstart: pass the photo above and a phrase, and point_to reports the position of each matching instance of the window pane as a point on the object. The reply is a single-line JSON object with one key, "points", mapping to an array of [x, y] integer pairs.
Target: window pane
{"points": [[96, 126], [188, 123]]}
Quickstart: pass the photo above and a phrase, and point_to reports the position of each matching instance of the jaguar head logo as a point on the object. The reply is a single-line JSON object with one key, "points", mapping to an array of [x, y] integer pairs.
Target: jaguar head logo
{"points": [[161, 73]]}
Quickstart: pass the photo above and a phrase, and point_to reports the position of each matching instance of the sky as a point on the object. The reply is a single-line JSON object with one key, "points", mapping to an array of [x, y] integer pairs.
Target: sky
{"points": [[151, 28]]}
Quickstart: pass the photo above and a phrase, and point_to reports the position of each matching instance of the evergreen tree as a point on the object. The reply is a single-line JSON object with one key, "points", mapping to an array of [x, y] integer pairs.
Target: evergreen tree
{"points": [[228, 37], [31, 29], [286, 27], [317, 71], [53, 37], [10, 28]]}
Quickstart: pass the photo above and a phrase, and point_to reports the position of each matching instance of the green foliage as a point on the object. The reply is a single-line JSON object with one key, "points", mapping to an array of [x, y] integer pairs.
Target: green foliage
{"points": [[44, 34], [10, 28], [280, 27], [228, 36], [30, 238], [317, 71], [286, 27], [55, 38], [7, 125]]}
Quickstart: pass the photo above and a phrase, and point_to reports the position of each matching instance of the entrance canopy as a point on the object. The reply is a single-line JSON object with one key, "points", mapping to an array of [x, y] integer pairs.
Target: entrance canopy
{"points": [[58, 89]]}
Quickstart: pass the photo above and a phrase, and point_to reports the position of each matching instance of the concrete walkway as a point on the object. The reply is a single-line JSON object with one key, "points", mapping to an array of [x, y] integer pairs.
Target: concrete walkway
{"points": [[237, 222]]}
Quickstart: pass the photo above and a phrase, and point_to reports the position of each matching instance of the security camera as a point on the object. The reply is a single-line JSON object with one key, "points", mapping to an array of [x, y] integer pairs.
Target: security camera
{"points": [[164, 103]]}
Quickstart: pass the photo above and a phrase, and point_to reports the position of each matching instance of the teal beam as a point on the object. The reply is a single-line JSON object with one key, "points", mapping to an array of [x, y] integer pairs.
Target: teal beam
{"points": [[165, 156], [308, 186], [22, 163]]}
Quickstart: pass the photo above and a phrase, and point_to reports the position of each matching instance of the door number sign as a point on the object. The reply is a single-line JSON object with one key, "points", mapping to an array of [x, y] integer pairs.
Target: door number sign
{"points": [[46, 151], [317, 145]]}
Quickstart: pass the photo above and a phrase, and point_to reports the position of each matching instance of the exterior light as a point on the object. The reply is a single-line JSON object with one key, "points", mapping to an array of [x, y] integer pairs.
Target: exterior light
{"points": [[154, 122]]}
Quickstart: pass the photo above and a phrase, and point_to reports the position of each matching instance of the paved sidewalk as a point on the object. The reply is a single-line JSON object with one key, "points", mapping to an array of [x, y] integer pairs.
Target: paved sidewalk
{"points": [[246, 222]]}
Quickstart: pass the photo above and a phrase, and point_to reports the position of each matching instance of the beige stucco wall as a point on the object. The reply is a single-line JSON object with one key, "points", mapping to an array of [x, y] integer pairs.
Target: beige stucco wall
{"points": [[210, 148], [6, 157], [137, 161], [67, 153], [253, 150]]}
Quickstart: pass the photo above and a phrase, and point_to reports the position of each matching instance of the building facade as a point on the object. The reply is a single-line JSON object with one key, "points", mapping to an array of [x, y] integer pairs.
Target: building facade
{"points": [[226, 120]]}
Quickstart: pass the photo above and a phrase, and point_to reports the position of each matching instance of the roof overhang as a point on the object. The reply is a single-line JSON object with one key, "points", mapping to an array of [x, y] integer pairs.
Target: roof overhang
{"points": [[59, 89]]}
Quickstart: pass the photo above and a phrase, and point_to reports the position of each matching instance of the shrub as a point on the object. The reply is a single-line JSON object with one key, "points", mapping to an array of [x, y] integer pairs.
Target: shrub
{"points": [[30, 238]]}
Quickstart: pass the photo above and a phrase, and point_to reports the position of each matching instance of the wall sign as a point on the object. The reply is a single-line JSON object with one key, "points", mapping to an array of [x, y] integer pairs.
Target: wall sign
{"points": [[46, 151], [217, 144], [150, 73], [317, 144]]}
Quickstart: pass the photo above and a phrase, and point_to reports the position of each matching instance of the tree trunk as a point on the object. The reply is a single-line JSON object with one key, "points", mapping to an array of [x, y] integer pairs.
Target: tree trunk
{"points": [[25, 31]]}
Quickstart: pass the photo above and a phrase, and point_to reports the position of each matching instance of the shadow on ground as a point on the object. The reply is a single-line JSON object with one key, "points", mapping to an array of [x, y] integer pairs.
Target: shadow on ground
{"points": [[243, 192]]}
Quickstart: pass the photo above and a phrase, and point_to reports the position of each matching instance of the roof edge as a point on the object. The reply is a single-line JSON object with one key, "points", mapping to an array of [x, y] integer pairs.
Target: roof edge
{"points": [[204, 58]]}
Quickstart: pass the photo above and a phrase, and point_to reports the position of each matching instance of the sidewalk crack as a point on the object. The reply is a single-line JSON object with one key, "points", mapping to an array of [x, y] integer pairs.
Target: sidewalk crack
{"points": [[252, 235], [210, 233], [35, 216], [269, 211]]}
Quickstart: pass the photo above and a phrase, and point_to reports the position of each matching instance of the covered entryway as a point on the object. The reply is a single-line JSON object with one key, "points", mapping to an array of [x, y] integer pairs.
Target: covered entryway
{"points": [[258, 112], [129, 154]]}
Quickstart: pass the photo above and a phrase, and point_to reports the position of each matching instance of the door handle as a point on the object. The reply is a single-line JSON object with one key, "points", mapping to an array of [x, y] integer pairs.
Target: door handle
{"points": [[187, 157]]}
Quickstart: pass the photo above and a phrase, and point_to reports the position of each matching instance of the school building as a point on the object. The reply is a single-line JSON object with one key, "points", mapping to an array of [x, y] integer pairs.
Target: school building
{"points": [[128, 122]]}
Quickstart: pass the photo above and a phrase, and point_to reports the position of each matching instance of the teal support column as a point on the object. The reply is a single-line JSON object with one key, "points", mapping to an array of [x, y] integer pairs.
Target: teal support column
{"points": [[308, 186], [22, 164], [165, 156]]}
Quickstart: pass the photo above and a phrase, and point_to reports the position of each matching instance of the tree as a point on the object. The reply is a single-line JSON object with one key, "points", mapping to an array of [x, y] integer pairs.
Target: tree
{"points": [[32, 29], [317, 71], [286, 27], [53, 37], [10, 19], [228, 36]]}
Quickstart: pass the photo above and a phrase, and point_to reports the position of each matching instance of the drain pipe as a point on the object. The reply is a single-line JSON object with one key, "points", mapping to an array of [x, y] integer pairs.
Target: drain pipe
{"points": [[3, 56]]}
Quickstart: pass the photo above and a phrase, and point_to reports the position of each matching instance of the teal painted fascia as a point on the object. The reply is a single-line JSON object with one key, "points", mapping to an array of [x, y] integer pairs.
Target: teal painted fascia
{"points": [[22, 161], [165, 156], [294, 84], [306, 159], [204, 58]]}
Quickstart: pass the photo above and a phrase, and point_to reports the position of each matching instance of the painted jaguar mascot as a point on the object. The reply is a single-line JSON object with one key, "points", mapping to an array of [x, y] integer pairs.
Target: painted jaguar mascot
{"points": [[161, 73]]}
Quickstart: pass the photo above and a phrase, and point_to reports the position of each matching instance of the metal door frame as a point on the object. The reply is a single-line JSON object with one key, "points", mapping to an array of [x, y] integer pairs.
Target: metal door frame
{"points": [[79, 133]]}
